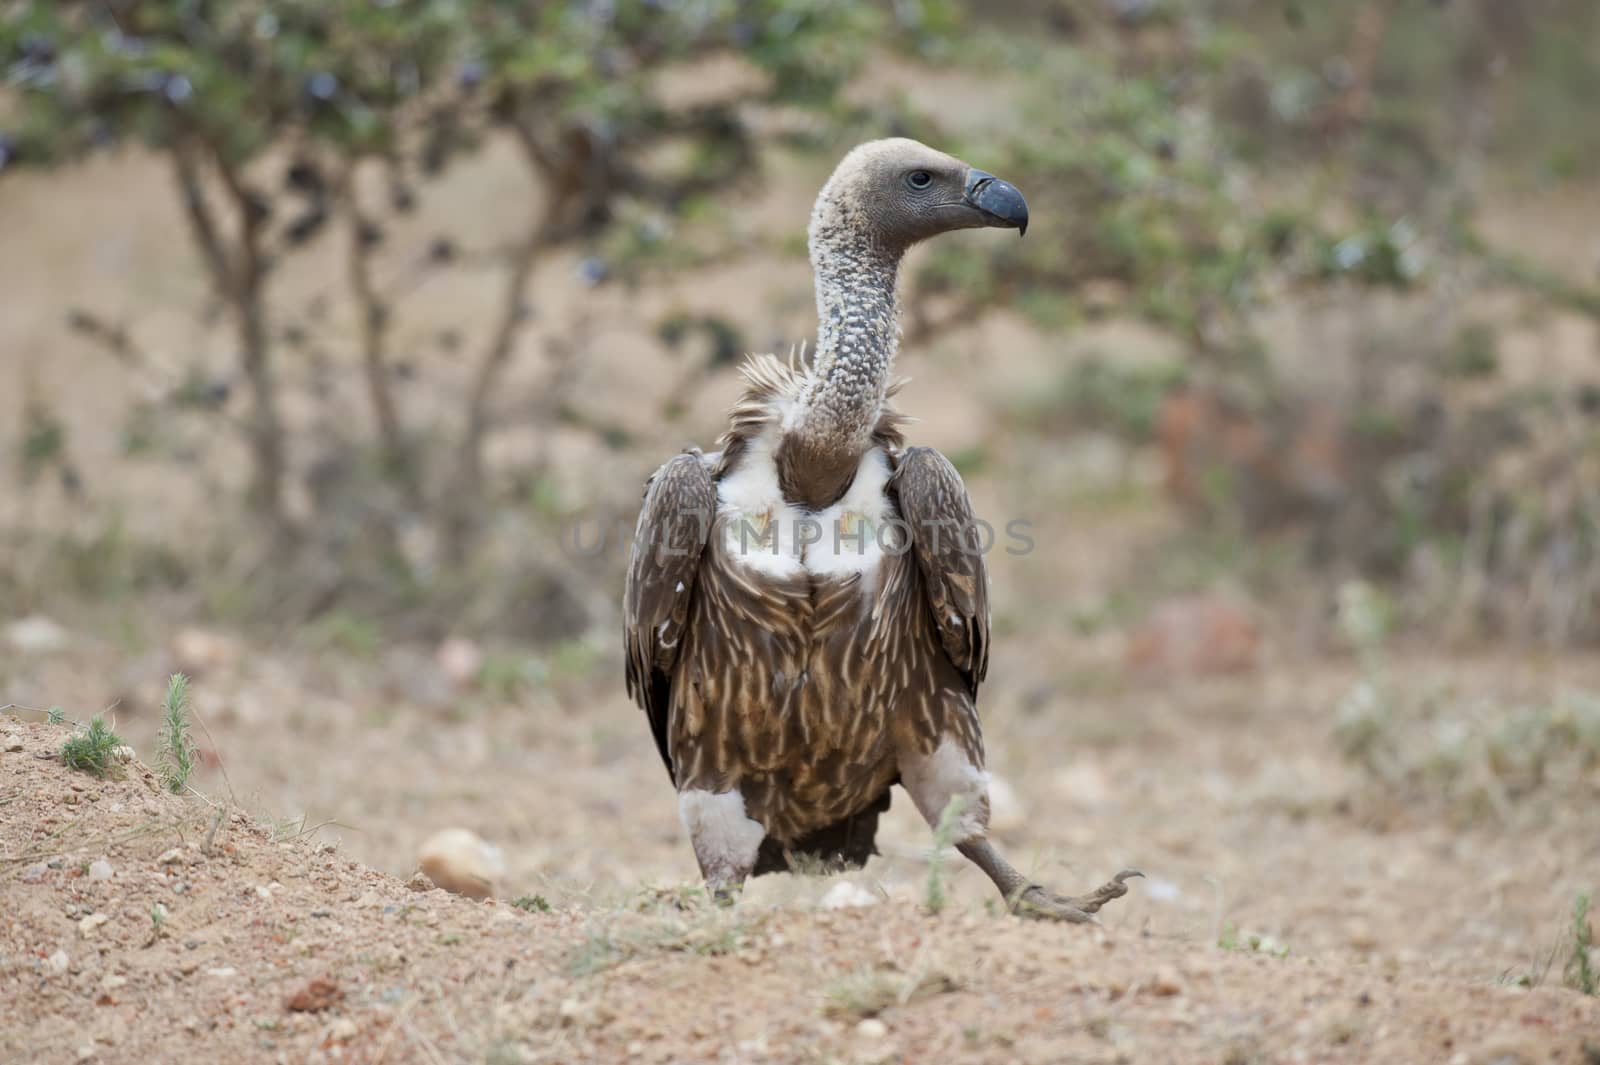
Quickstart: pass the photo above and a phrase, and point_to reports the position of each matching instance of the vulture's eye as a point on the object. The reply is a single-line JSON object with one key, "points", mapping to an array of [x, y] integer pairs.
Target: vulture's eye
{"points": [[919, 179]]}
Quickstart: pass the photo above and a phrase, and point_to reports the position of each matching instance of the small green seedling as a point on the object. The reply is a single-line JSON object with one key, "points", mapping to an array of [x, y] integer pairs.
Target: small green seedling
{"points": [[94, 750], [944, 834], [178, 752], [1580, 972]]}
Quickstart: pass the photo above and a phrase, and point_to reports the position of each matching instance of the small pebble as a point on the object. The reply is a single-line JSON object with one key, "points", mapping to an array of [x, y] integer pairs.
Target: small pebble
{"points": [[58, 961], [872, 1028], [847, 894], [341, 1031], [90, 925], [459, 860], [34, 873], [100, 869]]}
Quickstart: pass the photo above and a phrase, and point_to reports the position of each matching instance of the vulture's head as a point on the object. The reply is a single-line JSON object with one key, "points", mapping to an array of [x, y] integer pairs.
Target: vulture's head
{"points": [[900, 191]]}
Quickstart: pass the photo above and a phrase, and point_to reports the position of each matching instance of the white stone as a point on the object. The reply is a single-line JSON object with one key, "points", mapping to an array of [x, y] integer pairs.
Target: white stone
{"points": [[872, 1028], [460, 660], [90, 925], [341, 1030], [58, 961], [36, 634], [100, 869], [459, 860], [847, 894]]}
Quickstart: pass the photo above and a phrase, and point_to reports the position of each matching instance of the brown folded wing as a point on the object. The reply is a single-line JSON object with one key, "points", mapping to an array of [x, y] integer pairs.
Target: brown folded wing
{"points": [[948, 545], [680, 504]]}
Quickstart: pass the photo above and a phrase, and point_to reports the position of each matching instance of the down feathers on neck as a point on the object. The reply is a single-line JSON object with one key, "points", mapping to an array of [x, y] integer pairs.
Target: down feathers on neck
{"points": [[836, 413]]}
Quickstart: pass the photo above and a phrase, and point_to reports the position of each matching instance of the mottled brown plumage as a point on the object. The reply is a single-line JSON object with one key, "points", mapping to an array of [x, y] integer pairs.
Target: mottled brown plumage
{"points": [[806, 610]]}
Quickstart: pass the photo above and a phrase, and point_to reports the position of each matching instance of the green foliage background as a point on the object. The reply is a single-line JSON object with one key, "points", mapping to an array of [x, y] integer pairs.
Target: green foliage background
{"points": [[1207, 163]]}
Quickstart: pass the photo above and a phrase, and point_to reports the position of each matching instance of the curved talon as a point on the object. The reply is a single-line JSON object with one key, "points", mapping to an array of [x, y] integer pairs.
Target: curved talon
{"points": [[1035, 901], [1038, 904]]}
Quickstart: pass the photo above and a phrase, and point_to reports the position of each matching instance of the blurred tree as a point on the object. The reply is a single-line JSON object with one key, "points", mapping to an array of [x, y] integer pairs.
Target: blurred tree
{"points": [[268, 110], [216, 86], [1207, 166], [1201, 164]]}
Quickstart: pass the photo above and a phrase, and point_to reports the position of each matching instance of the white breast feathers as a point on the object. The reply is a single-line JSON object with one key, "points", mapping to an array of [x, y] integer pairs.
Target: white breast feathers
{"points": [[761, 530]]}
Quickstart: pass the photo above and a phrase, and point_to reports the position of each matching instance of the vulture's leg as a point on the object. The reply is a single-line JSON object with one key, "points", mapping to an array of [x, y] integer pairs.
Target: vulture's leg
{"points": [[1030, 900], [951, 775], [725, 839]]}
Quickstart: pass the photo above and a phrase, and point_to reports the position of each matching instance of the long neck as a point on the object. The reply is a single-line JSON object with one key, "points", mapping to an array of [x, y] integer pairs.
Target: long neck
{"points": [[857, 335]]}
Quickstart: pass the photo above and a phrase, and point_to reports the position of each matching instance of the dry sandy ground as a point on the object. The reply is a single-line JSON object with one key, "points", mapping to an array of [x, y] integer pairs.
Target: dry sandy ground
{"points": [[1400, 928]]}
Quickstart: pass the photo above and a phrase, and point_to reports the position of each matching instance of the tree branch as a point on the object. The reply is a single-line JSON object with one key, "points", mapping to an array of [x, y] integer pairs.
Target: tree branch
{"points": [[202, 223], [239, 278], [465, 490], [373, 313]]}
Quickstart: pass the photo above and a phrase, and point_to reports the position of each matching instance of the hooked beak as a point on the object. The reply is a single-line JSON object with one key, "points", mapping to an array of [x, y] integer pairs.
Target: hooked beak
{"points": [[998, 199]]}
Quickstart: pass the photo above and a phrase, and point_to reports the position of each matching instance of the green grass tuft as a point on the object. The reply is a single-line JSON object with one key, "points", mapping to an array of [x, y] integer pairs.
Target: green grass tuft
{"points": [[944, 834], [178, 755], [532, 903], [94, 750], [1581, 973]]}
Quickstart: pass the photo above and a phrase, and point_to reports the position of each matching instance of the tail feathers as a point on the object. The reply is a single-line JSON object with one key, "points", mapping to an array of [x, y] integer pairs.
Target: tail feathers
{"points": [[845, 844]]}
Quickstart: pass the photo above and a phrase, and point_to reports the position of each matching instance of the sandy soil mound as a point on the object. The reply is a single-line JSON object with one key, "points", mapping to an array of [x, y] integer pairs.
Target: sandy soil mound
{"points": [[142, 926]]}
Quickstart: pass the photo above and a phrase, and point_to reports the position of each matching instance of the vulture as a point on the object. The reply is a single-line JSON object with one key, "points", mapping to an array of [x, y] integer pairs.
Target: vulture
{"points": [[806, 610]]}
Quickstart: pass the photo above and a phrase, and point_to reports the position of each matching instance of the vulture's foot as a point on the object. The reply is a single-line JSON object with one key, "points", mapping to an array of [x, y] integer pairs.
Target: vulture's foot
{"points": [[725, 894], [1034, 901]]}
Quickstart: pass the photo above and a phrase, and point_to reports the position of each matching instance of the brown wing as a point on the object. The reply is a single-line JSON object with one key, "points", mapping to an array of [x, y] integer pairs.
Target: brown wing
{"points": [[680, 503], [947, 543]]}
